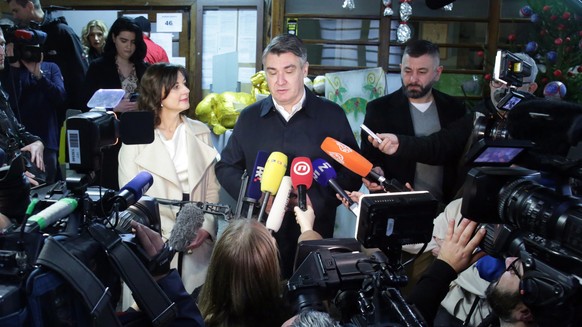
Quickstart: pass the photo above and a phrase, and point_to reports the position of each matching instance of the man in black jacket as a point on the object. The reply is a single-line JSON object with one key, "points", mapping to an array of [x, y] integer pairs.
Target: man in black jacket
{"points": [[417, 109], [62, 46], [294, 121]]}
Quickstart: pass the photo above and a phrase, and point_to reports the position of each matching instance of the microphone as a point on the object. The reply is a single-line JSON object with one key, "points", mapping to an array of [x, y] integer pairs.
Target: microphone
{"points": [[355, 162], [188, 221], [2, 157], [131, 192], [437, 4], [50, 215], [301, 177], [254, 187], [277, 213], [325, 175], [275, 169]]}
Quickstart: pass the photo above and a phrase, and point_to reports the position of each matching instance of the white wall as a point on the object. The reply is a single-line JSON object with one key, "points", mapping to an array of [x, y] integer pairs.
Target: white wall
{"points": [[77, 19]]}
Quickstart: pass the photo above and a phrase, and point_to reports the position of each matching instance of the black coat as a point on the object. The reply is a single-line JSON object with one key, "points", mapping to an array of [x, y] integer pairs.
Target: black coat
{"points": [[391, 114]]}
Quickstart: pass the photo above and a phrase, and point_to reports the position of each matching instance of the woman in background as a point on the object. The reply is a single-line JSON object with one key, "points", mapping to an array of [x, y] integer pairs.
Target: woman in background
{"points": [[93, 38], [181, 160], [121, 67], [243, 287]]}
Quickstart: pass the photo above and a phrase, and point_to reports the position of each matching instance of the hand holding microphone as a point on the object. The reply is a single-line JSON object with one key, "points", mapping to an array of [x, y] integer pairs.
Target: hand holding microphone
{"points": [[302, 177], [325, 175], [305, 218], [357, 163]]}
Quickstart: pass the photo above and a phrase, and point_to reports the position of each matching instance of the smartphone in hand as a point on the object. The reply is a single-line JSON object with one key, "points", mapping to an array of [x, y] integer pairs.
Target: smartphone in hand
{"points": [[372, 134]]}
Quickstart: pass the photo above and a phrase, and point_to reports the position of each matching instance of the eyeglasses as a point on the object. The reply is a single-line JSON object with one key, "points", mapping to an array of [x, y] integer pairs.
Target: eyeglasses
{"points": [[497, 84], [515, 267]]}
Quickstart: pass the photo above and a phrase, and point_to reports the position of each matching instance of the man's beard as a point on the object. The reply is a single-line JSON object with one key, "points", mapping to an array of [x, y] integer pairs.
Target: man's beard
{"points": [[414, 94], [502, 302]]}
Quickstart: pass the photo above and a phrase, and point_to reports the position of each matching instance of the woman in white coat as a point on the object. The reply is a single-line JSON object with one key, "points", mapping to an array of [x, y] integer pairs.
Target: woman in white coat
{"points": [[181, 160]]}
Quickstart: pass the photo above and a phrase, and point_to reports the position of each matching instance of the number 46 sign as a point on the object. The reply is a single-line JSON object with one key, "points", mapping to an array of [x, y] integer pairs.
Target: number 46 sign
{"points": [[170, 22]]}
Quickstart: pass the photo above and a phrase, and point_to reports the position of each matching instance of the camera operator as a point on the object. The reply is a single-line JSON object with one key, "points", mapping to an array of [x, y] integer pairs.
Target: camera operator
{"points": [[14, 137], [37, 97], [457, 253], [170, 282], [505, 299]]}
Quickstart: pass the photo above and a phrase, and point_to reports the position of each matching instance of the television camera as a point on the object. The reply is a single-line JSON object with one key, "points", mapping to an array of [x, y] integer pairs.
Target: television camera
{"points": [[521, 189], [365, 289], [510, 71], [27, 42]]}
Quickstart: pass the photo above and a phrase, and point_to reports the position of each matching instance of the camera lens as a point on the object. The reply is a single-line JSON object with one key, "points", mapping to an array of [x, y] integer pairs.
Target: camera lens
{"points": [[540, 210]]}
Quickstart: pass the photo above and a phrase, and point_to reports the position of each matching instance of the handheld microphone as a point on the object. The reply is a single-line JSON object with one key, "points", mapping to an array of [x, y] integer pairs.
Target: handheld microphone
{"points": [[325, 175], [133, 190], [277, 213], [275, 169], [188, 221], [50, 215], [301, 177], [355, 162], [254, 187]]}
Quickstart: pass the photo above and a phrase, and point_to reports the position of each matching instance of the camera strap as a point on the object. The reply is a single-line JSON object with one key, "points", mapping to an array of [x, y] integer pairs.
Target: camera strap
{"points": [[146, 292], [55, 256]]}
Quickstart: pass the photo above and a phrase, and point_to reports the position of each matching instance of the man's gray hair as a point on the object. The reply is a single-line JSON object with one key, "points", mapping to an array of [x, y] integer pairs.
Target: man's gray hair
{"points": [[312, 318], [534, 68], [286, 43]]}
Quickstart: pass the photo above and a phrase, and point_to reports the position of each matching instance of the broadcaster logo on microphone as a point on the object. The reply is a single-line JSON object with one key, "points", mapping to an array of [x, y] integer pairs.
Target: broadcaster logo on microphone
{"points": [[302, 168]]}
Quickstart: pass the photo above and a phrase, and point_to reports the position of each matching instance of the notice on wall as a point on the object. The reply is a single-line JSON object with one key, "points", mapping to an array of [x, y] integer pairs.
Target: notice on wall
{"points": [[164, 40], [169, 22]]}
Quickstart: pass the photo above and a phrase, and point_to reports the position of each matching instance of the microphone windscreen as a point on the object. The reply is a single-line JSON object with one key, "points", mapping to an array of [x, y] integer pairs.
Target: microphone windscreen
{"points": [[275, 169], [138, 185], [136, 127], [301, 172], [277, 213], [188, 222], [323, 171], [346, 156], [254, 186], [437, 4]]}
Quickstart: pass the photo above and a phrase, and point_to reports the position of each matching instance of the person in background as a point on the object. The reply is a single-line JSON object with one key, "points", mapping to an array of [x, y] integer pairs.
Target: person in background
{"points": [[38, 98], [62, 46], [120, 67], [294, 121], [243, 286], [181, 160], [93, 37], [155, 53], [14, 138], [416, 109]]}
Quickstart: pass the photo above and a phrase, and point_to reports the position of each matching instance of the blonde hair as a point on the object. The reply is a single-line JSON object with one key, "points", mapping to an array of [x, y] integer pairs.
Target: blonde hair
{"points": [[243, 286], [87, 29]]}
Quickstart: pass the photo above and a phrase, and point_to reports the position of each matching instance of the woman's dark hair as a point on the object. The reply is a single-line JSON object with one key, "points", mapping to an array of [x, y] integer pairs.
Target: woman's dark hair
{"points": [[123, 24], [155, 85]]}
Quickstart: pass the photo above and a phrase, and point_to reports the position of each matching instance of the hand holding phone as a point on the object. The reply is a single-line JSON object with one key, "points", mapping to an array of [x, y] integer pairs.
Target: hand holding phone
{"points": [[372, 134]]}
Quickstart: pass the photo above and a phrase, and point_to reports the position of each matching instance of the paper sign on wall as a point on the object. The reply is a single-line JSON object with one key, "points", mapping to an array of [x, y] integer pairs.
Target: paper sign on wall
{"points": [[169, 22]]}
